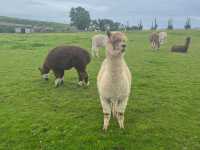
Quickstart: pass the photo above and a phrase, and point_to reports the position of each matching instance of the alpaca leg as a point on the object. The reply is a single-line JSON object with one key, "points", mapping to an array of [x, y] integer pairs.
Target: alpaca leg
{"points": [[83, 77], [106, 111], [120, 109], [59, 77], [120, 118], [58, 82], [80, 76], [62, 77], [114, 114], [153, 45], [93, 52], [86, 78], [97, 52], [158, 46]]}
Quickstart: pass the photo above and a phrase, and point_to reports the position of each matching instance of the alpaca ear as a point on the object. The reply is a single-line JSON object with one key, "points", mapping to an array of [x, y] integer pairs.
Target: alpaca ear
{"points": [[109, 34]]}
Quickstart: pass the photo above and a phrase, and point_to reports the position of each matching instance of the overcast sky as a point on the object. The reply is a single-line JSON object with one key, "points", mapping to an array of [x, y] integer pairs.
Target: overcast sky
{"points": [[124, 11]]}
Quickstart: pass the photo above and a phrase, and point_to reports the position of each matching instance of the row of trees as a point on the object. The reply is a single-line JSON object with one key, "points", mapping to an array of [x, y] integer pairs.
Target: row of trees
{"points": [[80, 18], [104, 24], [170, 26]]}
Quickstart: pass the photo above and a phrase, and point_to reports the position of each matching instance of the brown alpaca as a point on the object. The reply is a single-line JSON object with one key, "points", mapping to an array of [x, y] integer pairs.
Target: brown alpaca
{"points": [[154, 40], [182, 48], [64, 58]]}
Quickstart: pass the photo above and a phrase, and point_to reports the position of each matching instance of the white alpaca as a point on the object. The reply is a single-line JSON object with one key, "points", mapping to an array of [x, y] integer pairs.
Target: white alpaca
{"points": [[98, 41], [162, 37], [114, 80]]}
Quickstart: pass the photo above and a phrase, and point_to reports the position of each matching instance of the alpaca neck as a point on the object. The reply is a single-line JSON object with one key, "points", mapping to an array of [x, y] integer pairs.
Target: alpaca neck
{"points": [[115, 65], [45, 69], [187, 43]]}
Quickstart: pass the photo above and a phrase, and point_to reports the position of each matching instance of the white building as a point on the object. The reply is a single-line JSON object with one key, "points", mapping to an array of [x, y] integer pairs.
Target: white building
{"points": [[23, 30]]}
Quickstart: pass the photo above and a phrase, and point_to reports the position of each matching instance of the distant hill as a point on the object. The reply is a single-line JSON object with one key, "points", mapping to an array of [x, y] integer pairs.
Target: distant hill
{"points": [[8, 24]]}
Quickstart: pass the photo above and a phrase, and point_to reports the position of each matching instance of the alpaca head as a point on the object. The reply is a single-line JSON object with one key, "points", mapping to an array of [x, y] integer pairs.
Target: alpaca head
{"points": [[116, 45], [43, 73]]}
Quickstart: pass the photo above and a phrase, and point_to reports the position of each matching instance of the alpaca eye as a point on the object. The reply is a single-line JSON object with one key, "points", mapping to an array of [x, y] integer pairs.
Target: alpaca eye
{"points": [[117, 41]]}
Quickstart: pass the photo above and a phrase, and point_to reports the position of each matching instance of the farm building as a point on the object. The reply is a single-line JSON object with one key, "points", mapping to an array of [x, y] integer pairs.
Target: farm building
{"points": [[24, 30]]}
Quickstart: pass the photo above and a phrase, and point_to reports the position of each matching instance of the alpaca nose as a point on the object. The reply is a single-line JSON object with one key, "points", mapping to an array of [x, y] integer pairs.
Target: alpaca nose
{"points": [[124, 45]]}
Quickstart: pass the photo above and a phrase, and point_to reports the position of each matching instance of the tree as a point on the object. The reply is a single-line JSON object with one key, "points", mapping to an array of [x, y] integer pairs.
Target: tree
{"points": [[140, 25], [94, 25], [107, 24], [188, 24], [154, 25], [170, 24], [80, 18]]}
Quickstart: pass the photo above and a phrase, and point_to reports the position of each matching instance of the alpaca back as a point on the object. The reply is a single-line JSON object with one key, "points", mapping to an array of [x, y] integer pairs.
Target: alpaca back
{"points": [[99, 41], [162, 37], [65, 57], [182, 48]]}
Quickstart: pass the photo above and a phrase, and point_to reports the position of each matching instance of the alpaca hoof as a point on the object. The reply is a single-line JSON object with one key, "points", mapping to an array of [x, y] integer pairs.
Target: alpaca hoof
{"points": [[57, 85], [88, 83], [62, 82], [58, 82], [105, 128], [121, 125], [81, 83]]}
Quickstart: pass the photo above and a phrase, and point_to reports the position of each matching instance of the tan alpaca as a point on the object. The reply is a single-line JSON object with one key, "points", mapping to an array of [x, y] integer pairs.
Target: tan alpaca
{"points": [[98, 41], [154, 40], [114, 80]]}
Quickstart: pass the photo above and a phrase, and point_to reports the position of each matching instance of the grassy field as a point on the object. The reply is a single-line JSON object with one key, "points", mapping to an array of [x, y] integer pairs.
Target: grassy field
{"points": [[163, 112]]}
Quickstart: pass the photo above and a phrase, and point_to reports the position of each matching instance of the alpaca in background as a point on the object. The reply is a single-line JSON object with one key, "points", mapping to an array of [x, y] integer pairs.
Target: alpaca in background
{"points": [[162, 37], [182, 48], [154, 40], [98, 41], [114, 80]]}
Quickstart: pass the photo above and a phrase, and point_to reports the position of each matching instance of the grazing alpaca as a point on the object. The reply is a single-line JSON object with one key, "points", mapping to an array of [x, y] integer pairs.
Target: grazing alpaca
{"points": [[98, 41], [64, 58], [182, 48], [162, 37], [154, 40], [114, 80]]}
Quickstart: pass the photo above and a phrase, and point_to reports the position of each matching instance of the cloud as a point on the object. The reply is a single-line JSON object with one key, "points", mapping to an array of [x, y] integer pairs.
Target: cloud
{"points": [[120, 10]]}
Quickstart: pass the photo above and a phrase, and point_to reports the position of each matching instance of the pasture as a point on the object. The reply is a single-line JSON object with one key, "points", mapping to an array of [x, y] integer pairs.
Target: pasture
{"points": [[163, 112]]}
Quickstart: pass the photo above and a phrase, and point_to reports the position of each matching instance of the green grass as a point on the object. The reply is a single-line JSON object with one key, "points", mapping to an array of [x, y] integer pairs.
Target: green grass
{"points": [[163, 112]]}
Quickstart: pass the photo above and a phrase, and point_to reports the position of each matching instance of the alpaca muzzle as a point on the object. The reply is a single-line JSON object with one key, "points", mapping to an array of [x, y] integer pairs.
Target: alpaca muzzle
{"points": [[123, 48], [45, 77]]}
